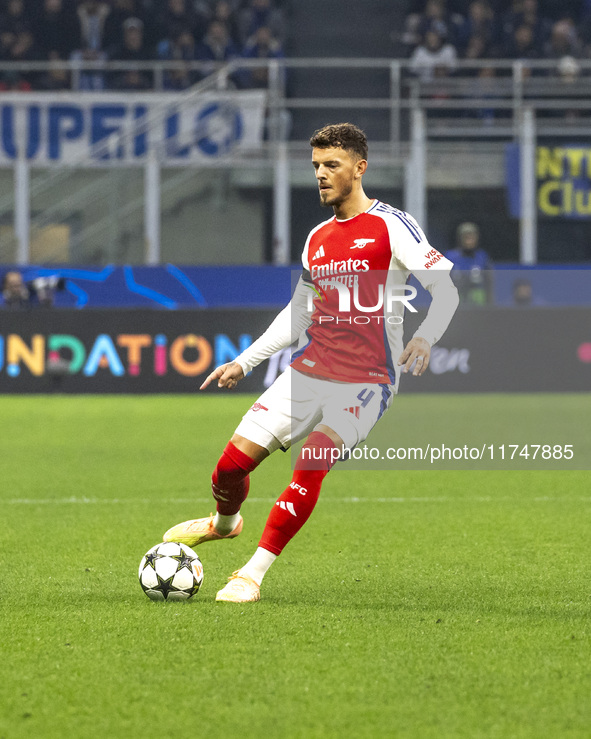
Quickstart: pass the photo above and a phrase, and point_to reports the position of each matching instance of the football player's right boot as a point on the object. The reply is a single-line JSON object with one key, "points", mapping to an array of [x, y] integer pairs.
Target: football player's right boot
{"points": [[198, 530], [240, 589]]}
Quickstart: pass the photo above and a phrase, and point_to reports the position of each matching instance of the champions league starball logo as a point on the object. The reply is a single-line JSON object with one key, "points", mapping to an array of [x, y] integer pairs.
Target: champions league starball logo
{"points": [[218, 129]]}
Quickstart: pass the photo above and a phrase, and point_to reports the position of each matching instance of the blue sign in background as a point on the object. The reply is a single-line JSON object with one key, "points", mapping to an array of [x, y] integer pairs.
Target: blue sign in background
{"points": [[167, 286], [172, 287]]}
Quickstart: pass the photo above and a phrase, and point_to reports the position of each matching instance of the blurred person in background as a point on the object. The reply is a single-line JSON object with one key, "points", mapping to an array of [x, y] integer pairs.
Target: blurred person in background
{"points": [[180, 48], [17, 44], [564, 41], [522, 292], [132, 49], [479, 24], [436, 16], [477, 48], [524, 295], [434, 57], [224, 12], [217, 47], [55, 77], [91, 15], [522, 46], [56, 29], [568, 73], [262, 45], [568, 70], [23, 49], [525, 13], [455, 22], [122, 10], [178, 16], [472, 266], [483, 85], [18, 295], [13, 18], [15, 294], [259, 13]]}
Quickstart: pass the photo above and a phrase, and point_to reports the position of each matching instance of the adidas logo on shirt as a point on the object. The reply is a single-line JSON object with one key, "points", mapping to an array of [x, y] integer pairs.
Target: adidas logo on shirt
{"points": [[319, 253]]}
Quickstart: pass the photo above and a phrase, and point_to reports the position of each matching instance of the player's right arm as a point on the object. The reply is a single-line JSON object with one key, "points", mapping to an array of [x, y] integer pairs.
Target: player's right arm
{"points": [[228, 375], [285, 329]]}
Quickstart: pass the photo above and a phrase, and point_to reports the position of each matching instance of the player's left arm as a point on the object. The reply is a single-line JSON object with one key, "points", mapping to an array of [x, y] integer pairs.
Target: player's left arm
{"points": [[411, 248], [417, 352]]}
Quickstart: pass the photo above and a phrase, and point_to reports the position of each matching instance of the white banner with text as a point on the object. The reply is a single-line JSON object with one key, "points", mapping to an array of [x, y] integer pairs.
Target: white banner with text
{"points": [[93, 129]]}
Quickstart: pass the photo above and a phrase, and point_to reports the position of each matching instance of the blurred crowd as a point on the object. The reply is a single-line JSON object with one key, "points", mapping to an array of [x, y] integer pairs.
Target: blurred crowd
{"points": [[207, 31], [435, 35], [439, 32]]}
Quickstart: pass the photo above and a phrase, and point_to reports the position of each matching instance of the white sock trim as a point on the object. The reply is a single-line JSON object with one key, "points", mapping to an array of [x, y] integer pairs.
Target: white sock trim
{"points": [[258, 564], [225, 524]]}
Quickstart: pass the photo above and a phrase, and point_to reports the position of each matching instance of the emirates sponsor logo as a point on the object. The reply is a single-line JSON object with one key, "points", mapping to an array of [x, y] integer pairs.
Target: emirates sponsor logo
{"points": [[338, 266]]}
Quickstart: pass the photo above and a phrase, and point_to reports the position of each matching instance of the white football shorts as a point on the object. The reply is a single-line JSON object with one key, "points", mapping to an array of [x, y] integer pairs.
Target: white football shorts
{"points": [[296, 403]]}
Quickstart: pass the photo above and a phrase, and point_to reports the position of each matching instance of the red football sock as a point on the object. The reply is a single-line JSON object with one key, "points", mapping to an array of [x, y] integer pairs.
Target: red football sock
{"points": [[230, 481], [297, 501]]}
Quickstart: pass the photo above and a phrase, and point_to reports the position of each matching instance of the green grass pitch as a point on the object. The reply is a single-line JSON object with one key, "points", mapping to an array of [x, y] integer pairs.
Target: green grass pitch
{"points": [[413, 604]]}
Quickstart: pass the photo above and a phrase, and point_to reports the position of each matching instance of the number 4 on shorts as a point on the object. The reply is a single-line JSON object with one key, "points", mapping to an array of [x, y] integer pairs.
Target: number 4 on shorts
{"points": [[365, 396]]}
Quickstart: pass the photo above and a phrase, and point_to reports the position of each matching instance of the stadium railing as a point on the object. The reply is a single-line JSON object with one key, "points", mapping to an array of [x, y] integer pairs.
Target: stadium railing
{"points": [[386, 85]]}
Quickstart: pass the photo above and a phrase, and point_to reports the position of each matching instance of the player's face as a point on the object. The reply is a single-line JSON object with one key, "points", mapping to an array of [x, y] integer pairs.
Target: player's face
{"points": [[335, 172]]}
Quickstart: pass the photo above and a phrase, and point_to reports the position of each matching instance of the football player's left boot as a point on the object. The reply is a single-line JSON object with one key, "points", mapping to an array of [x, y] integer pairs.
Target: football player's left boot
{"points": [[240, 589], [199, 530]]}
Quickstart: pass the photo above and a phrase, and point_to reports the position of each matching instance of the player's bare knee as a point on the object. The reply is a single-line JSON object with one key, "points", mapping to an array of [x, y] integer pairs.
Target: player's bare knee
{"points": [[253, 450], [339, 444]]}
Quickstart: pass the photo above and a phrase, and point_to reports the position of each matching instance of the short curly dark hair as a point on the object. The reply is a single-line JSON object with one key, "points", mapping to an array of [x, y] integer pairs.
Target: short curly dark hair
{"points": [[343, 135]]}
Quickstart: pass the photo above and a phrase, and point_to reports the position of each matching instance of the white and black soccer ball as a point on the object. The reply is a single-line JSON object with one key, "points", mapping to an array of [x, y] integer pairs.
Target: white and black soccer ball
{"points": [[170, 571]]}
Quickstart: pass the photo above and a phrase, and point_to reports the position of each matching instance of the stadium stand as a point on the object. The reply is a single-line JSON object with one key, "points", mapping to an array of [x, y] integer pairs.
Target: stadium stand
{"points": [[93, 30]]}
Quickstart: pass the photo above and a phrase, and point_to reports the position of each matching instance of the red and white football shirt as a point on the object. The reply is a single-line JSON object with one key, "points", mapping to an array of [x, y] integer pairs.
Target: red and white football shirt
{"points": [[372, 255]]}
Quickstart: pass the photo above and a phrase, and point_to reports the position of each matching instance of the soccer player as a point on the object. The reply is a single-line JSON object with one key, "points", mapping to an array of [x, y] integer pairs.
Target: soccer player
{"points": [[347, 311]]}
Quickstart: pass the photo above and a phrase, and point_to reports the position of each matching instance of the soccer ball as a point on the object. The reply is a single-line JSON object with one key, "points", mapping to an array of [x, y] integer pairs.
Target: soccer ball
{"points": [[170, 571]]}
